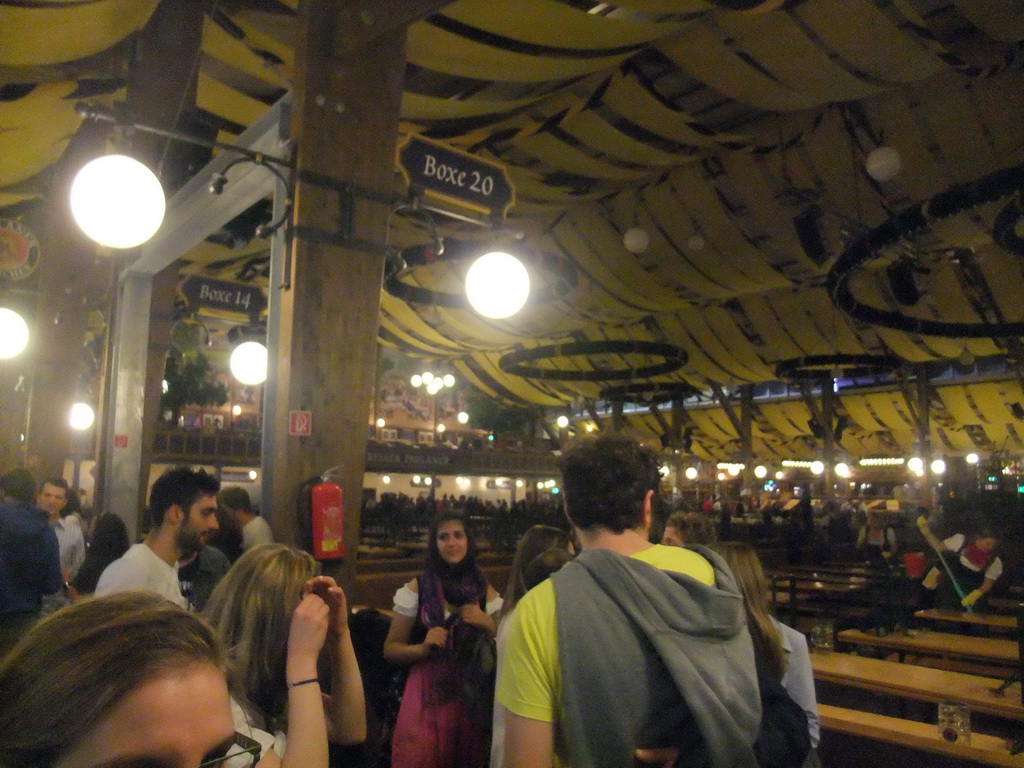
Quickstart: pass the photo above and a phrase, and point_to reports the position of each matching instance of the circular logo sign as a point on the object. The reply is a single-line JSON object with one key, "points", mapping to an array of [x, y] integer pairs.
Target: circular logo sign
{"points": [[19, 250]]}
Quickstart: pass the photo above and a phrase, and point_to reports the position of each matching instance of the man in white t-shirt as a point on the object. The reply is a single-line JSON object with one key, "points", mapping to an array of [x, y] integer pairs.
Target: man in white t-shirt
{"points": [[182, 507], [255, 530]]}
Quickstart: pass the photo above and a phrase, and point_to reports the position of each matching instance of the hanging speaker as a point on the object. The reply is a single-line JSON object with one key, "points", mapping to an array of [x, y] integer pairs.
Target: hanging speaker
{"points": [[809, 234], [903, 282]]}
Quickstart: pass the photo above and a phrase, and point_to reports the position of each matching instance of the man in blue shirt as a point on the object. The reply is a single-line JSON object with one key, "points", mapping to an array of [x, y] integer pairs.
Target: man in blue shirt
{"points": [[29, 557]]}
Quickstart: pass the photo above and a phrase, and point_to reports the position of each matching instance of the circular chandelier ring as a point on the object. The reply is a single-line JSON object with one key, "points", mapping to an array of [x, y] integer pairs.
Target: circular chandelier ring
{"points": [[914, 219], [517, 362]]}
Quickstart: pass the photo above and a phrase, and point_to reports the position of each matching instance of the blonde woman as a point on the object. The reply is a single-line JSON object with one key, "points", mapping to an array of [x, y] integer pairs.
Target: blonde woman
{"points": [[541, 551], [275, 613], [128, 679], [780, 650]]}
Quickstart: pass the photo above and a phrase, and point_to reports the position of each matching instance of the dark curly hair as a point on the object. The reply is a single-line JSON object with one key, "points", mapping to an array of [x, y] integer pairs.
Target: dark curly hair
{"points": [[605, 480]]}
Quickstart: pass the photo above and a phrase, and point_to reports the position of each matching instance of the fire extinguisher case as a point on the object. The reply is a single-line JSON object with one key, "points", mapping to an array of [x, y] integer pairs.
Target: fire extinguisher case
{"points": [[328, 519]]}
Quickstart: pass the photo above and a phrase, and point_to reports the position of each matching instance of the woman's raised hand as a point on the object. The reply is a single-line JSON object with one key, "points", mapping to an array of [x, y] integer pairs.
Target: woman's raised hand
{"points": [[307, 633], [327, 589]]}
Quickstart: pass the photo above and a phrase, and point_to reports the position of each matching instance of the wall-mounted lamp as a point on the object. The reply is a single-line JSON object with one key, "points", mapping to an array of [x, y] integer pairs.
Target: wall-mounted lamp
{"points": [[13, 334], [248, 360], [497, 285], [119, 202], [81, 416]]}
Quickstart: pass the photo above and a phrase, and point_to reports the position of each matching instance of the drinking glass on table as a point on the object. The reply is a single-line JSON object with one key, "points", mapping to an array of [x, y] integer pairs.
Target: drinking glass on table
{"points": [[955, 722], [823, 636]]}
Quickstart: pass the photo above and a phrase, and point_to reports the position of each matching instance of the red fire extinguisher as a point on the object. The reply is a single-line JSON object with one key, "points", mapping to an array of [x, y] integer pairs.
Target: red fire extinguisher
{"points": [[328, 522]]}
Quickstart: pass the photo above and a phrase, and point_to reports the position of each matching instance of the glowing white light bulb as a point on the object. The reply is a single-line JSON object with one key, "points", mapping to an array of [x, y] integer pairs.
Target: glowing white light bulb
{"points": [[497, 285], [13, 334], [117, 201], [81, 416], [248, 363]]}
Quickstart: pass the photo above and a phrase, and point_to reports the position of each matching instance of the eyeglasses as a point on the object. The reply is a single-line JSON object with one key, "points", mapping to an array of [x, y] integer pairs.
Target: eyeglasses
{"points": [[242, 746]]}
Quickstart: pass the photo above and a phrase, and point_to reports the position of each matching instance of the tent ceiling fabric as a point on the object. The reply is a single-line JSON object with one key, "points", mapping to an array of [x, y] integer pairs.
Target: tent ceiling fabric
{"points": [[734, 133]]}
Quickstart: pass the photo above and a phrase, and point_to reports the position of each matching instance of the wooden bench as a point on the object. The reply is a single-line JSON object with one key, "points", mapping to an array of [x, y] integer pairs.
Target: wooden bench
{"points": [[909, 681], [984, 749], [941, 644], [991, 620]]}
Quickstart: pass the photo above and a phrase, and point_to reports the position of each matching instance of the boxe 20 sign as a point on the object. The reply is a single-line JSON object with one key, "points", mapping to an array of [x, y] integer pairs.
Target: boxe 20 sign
{"points": [[455, 177]]}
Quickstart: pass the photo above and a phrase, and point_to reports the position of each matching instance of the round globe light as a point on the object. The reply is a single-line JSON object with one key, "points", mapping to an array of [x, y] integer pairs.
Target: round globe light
{"points": [[562, 422], [416, 380], [721, 476], [519, 483], [81, 416], [780, 475], [435, 386], [883, 164], [428, 481], [497, 285], [972, 458], [636, 239], [248, 363], [117, 201], [253, 474], [449, 380], [842, 469], [691, 473], [386, 479], [760, 471], [734, 469], [13, 334], [463, 417], [915, 464], [440, 427], [817, 467], [938, 467], [380, 423], [428, 378]]}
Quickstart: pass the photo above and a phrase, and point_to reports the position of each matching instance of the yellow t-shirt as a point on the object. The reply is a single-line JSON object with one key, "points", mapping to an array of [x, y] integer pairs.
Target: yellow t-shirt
{"points": [[531, 676]]}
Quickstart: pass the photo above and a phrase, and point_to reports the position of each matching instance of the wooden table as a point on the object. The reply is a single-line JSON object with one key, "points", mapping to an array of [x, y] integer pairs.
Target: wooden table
{"points": [[984, 749], [995, 620], [942, 644], [918, 683]]}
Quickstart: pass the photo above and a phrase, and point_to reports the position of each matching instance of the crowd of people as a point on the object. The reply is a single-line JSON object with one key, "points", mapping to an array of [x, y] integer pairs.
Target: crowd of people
{"points": [[606, 649]]}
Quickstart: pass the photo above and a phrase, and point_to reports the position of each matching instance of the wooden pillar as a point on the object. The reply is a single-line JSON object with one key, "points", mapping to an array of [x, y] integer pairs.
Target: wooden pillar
{"points": [[747, 435], [161, 90], [924, 436], [829, 442], [348, 86]]}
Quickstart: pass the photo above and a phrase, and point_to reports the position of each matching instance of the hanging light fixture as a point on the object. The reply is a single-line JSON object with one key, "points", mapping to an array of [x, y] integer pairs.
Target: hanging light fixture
{"points": [[13, 334], [117, 201], [883, 163], [636, 240]]}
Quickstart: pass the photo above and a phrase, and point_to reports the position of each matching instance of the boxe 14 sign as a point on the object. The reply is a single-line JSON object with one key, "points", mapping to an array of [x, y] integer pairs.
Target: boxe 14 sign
{"points": [[455, 176]]}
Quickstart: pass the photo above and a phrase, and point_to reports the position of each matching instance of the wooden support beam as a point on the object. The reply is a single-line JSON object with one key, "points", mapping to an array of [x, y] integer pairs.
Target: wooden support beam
{"points": [[726, 404], [360, 26], [347, 93], [588, 405], [666, 428]]}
